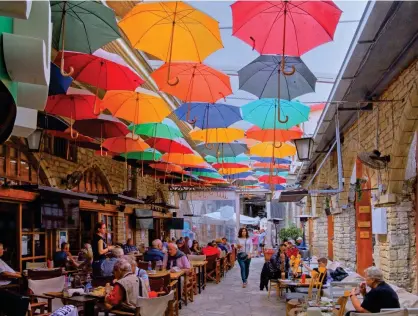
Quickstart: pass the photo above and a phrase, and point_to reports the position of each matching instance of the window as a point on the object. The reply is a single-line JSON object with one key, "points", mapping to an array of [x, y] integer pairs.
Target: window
{"points": [[110, 226], [64, 149]]}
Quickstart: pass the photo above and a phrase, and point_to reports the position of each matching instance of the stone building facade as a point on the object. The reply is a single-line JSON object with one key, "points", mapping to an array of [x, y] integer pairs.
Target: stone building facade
{"points": [[390, 127]]}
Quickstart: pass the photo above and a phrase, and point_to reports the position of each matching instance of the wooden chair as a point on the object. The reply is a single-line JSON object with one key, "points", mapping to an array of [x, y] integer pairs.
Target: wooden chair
{"points": [[339, 309], [37, 288], [319, 284], [144, 265], [155, 306], [232, 258], [161, 285], [15, 285], [224, 265], [188, 290], [213, 269], [276, 284], [312, 285]]}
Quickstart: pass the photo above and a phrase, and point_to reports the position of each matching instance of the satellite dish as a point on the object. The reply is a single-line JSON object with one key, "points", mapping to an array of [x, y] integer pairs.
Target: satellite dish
{"points": [[74, 179], [374, 159]]}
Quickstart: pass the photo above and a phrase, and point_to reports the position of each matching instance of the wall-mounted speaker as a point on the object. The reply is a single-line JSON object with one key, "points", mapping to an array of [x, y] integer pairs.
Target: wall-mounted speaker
{"points": [[174, 214]]}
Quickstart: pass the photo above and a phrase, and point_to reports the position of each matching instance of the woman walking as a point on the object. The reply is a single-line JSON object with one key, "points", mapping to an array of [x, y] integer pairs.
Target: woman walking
{"points": [[245, 249]]}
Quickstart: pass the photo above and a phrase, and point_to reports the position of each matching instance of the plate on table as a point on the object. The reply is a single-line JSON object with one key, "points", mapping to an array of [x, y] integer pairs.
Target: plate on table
{"points": [[98, 292]]}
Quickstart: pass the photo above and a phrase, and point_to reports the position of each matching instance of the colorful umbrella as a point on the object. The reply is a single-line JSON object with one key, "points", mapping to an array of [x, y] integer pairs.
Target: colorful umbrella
{"points": [[168, 168], [229, 171], [149, 154], [158, 130], [223, 149], [209, 115], [276, 187], [74, 106], [183, 32], [269, 150], [202, 169], [104, 126], [196, 82], [284, 27], [184, 160], [100, 72], [178, 145], [125, 144], [217, 135], [228, 165], [238, 175], [270, 159], [135, 107], [237, 159], [283, 174], [205, 174], [50, 122], [272, 179], [271, 171], [270, 165], [263, 113], [261, 78], [250, 180], [58, 84], [79, 141], [270, 135], [81, 26]]}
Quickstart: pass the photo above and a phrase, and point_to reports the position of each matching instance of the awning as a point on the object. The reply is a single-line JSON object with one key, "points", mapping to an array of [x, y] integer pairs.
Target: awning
{"points": [[292, 196], [45, 190], [122, 198]]}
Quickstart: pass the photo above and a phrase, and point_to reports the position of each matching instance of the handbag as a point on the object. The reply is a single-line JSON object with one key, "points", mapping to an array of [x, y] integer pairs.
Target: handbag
{"points": [[243, 255]]}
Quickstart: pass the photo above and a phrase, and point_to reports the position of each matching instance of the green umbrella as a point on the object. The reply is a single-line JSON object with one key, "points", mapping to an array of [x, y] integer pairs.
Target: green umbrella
{"points": [[237, 159], [82, 26], [206, 174], [146, 155], [158, 130]]}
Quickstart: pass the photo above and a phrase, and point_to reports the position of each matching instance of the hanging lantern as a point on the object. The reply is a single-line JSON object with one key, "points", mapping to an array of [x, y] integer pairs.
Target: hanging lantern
{"points": [[34, 140], [304, 148]]}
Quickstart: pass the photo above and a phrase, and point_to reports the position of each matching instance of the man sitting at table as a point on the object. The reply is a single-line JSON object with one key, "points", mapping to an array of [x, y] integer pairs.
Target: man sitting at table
{"points": [[6, 272], [226, 244], [175, 258], [380, 296], [126, 290], [291, 249], [129, 246], [64, 259], [156, 251], [107, 265], [211, 250]]}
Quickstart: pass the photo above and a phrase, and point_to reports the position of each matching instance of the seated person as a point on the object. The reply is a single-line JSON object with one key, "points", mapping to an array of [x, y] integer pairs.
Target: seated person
{"points": [[322, 263], [380, 296], [196, 248], [106, 268], [300, 244], [226, 244], [183, 246], [211, 250], [141, 274], [86, 257], [126, 290], [156, 251], [64, 259], [273, 269], [291, 249], [175, 258], [221, 246], [129, 247], [6, 272]]}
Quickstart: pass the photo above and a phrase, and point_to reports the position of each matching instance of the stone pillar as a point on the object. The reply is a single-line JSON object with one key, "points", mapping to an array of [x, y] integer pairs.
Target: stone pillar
{"points": [[120, 228], [320, 238]]}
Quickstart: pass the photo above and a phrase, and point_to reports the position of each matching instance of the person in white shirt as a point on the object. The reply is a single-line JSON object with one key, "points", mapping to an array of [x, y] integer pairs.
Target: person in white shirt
{"points": [[6, 272], [245, 249]]}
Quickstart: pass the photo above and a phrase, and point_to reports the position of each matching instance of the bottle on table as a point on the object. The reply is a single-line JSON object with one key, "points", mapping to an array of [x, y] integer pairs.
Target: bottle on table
{"points": [[149, 266]]}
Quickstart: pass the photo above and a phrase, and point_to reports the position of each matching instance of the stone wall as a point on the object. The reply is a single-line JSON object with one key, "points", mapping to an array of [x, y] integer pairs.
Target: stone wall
{"points": [[320, 237], [345, 237]]}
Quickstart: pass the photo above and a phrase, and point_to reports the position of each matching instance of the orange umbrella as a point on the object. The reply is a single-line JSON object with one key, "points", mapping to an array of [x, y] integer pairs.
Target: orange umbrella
{"points": [[197, 82], [124, 144], [135, 107], [269, 150], [168, 168], [274, 135], [217, 135], [184, 160]]}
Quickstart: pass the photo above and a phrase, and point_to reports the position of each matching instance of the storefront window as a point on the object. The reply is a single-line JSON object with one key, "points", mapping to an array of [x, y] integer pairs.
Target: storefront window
{"points": [[33, 238], [109, 221]]}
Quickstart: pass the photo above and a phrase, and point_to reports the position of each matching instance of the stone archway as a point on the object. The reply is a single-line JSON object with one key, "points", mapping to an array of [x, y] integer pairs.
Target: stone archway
{"points": [[94, 181]]}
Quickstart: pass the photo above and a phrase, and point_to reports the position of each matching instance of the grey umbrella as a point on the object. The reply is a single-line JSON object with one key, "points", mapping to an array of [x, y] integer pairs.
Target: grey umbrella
{"points": [[260, 77], [223, 149]]}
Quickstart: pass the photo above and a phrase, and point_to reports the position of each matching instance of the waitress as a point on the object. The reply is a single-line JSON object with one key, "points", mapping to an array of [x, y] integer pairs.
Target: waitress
{"points": [[99, 247]]}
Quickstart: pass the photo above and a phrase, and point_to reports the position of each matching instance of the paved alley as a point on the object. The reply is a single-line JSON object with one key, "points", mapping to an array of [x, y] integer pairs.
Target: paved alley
{"points": [[229, 298]]}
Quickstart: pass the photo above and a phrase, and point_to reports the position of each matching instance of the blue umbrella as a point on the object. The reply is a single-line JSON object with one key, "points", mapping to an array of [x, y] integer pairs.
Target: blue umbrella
{"points": [[276, 187], [58, 84], [238, 175], [268, 159], [209, 115], [223, 149]]}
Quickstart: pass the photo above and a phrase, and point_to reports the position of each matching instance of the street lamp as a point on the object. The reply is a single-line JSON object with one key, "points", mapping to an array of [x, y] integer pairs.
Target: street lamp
{"points": [[34, 140], [269, 196], [304, 148], [183, 195]]}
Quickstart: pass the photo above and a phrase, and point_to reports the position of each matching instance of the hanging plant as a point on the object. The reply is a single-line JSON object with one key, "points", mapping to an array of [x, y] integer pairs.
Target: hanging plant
{"points": [[327, 204], [358, 188]]}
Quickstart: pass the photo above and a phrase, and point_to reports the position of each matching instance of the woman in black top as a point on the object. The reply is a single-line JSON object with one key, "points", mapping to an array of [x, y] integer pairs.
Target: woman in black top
{"points": [[99, 247], [273, 269]]}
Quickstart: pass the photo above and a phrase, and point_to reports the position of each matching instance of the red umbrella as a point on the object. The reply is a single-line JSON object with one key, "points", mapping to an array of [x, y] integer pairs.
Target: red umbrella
{"points": [[67, 135], [287, 27], [100, 72], [228, 165], [104, 126], [272, 179], [74, 106], [178, 145], [168, 168]]}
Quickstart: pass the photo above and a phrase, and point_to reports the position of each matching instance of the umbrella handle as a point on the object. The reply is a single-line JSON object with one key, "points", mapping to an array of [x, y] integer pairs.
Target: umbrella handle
{"points": [[209, 146], [253, 40], [63, 73], [286, 119], [73, 135], [287, 73], [175, 83], [280, 145], [193, 121]]}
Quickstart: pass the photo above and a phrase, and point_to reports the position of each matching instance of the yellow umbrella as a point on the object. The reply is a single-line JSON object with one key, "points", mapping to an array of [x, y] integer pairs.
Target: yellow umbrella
{"points": [[172, 31], [184, 160], [135, 107], [217, 135], [268, 150], [227, 171]]}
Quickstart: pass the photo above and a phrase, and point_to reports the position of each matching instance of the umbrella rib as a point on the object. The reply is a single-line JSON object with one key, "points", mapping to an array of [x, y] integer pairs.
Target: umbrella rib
{"points": [[194, 42], [85, 30], [198, 22], [271, 28], [294, 28], [103, 20], [259, 70], [258, 13]]}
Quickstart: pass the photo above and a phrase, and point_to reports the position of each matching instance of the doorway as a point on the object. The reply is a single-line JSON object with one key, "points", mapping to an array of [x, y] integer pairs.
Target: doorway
{"points": [[8, 223], [330, 219]]}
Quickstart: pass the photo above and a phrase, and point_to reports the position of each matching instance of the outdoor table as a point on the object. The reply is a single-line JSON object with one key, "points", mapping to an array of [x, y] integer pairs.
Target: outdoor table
{"points": [[201, 268], [173, 276], [88, 301], [297, 283]]}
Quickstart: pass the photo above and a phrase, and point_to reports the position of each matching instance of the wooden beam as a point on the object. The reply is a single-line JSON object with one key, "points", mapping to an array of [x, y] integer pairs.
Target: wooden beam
{"points": [[17, 195], [161, 215], [94, 206]]}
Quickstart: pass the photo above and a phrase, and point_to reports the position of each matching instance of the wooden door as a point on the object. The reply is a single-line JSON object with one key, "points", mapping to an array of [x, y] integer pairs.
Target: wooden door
{"points": [[363, 224], [330, 219]]}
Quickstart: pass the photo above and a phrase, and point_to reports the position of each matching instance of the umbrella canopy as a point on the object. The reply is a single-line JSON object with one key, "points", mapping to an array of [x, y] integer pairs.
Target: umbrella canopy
{"points": [[217, 135], [276, 135], [250, 180], [275, 187], [168, 168], [238, 175], [268, 150], [223, 149], [228, 165], [209, 115], [261, 78], [272, 179], [283, 174], [229, 171], [237, 159], [277, 171], [202, 169], [104, 126], [158, 130], [183, 32], [67, 135], [88, 25], [185, 160], [270, 165], [74, 106], [100, 72], [149, 154], [270, 159], [135, 107], [58, 84], [284, 27], [206, 174], [178, 145], [196, 82], [124, 144], [263, 113]]}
